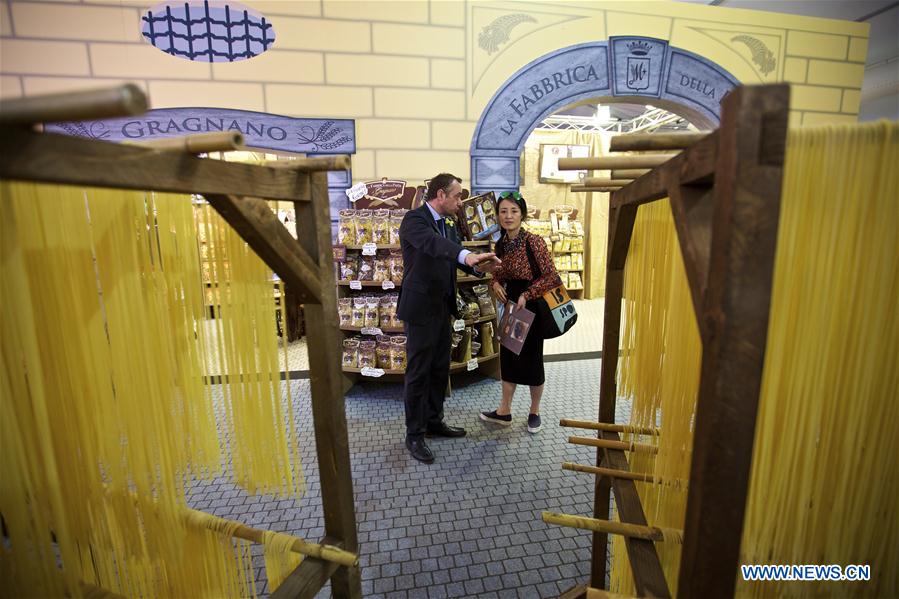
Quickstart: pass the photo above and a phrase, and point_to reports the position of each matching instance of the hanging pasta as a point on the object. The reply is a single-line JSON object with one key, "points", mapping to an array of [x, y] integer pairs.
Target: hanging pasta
{"points": [[823, 482], [105, 395]]}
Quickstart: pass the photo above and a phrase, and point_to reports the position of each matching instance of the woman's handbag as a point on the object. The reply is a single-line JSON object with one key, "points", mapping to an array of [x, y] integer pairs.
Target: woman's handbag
{"points": [[555, 311]]}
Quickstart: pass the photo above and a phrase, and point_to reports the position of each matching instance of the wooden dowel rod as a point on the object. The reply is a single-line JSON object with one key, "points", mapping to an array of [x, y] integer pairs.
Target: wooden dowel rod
{"points": [[607, 444], [605, 426], [214, 141], [654, 141], [123, 100], [255, 535], [584, 189], [604, 182], [629, 173], [339, 162], [594, 593], [610, 472], [614, 473], [650, 533], [614, 162]]}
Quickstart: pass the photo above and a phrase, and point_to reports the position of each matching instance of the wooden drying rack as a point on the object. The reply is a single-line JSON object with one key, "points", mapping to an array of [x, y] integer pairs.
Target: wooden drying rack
{"points": [[724, 189], [238, 193]]}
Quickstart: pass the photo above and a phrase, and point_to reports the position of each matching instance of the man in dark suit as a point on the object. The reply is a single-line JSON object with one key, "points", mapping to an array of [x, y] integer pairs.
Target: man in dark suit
{"points": [[431, 254]]}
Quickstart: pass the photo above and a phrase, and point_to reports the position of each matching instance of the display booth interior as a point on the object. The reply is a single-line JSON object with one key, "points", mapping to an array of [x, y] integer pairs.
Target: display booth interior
{"points": [[103, 237]]}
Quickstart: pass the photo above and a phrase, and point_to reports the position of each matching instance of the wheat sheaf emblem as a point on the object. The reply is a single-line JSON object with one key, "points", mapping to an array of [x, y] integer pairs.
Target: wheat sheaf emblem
{"points": [[761, 55], [498, 31]]}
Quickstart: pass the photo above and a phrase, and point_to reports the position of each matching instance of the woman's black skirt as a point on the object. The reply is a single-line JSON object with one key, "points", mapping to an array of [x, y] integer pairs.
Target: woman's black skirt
{"points": [[527, 367]]}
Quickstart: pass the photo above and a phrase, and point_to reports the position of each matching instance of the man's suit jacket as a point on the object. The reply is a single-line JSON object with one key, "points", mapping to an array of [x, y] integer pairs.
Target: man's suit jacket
{"points": [[429, 267]]}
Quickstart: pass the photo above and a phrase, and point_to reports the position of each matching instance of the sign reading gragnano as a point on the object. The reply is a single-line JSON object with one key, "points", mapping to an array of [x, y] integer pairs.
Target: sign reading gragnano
{"points": [[260, 130]]}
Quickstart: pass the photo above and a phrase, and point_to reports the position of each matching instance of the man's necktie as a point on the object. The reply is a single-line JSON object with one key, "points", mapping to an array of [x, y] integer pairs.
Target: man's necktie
{"points": [[442, 226]]}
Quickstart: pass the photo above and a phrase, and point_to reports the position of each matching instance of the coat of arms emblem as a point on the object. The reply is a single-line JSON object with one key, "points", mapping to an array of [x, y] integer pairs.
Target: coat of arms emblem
{"points": [[638, 65]]}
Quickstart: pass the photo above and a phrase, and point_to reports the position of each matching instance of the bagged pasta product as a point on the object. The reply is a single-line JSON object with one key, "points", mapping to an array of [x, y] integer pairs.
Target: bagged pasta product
{"points": [[396, 219], [380, 226], [475, 349], [363, 227], [345, 311], [346, 226], [366, 268], [350, 353], [384, 315], [487, 341], [371, 311], [382, 269], [358, 319], [398, 353], [454, 345], [485, 302], [349, 268], [382, 352], [393, 321], [396, 266], [367, 354]]}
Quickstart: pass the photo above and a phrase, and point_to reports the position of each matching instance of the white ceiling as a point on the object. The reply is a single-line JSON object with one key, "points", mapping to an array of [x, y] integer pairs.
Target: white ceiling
{"points": [[880, 91]]}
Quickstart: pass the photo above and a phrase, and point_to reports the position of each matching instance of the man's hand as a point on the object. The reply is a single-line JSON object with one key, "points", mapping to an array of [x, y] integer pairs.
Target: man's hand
{"points": [[483, 262]]}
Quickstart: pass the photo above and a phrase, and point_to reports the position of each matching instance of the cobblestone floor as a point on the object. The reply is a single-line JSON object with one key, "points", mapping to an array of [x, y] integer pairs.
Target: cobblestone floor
{"points": [[467, 525]]}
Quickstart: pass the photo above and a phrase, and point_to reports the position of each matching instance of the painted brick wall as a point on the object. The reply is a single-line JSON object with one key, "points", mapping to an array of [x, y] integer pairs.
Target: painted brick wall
{"points": [[415, 74]]}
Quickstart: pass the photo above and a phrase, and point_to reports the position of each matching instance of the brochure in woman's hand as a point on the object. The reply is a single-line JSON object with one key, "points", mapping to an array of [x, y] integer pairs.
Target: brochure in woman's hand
{"points": [[514, 327]]}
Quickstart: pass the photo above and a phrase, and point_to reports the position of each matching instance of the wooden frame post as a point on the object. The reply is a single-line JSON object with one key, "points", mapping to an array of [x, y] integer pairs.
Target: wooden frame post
{"points": [[737, 299], [725, 198], [313, 223]]}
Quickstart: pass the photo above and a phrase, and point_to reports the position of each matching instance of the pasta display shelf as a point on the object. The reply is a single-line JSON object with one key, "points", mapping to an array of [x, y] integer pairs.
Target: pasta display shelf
{"points": [[369, 265], [463, 366], [348, 283], [382, 329]]}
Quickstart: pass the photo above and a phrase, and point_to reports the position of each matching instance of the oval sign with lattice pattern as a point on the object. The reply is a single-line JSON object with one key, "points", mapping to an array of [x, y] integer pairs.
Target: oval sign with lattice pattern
{"points": [[207, 31]]}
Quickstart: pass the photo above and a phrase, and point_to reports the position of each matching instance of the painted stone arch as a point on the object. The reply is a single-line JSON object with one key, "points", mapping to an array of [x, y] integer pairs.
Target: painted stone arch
{"points": [[636, 69]]}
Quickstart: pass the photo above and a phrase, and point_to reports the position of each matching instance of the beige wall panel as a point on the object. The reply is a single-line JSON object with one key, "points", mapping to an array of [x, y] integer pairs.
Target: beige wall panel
{"points": [[637, 23], [364, 166], [95, 23], [51, 85], [419, 165], [297, 8], [447, 74], [795, 118], [418, 40], [851, 100], [275, 65], [43, 58], [452, 135], [10, 87], [318, 100], [844, 74], [795, 69], [817, 45], [819, 99], [241, 96], [5, 22], [353, 69], [447, 12], [415, 103], [858, 49], [821, 118], [293, 33], [143, 61], [386, 133], [404, 11]]}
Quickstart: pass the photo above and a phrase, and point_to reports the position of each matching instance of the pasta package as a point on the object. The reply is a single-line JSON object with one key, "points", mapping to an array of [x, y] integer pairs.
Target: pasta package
{"points": [[479, 216]]}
